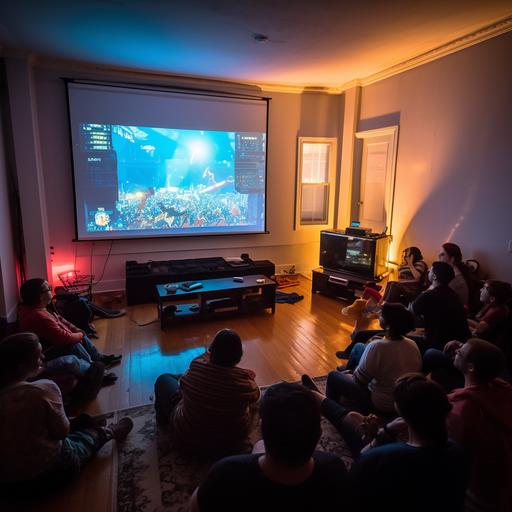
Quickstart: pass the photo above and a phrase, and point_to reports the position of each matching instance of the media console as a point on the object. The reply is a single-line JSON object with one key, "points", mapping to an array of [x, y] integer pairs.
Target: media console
{"points": [[142, 278]]}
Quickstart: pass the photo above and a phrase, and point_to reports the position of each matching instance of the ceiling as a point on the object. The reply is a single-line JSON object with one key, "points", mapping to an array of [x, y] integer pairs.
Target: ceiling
{"points": [[310, 43]]}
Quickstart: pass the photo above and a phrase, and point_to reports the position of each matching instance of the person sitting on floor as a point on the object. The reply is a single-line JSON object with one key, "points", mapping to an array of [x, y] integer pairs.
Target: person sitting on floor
{"points": [[208, 407], [441, 309], [450, 253], [367, 382], [481, 422], [60, 336], [290, 475], [429, 468], [37, 444], [494, 295]]}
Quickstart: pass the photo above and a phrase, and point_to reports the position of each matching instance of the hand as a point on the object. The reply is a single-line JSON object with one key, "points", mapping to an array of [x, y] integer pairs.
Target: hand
{"points": [[409, 259]]}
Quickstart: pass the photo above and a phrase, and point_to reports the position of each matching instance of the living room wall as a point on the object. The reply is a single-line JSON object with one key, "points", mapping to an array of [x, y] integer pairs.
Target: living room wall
{"points": [[454, 173], [291, 115]]}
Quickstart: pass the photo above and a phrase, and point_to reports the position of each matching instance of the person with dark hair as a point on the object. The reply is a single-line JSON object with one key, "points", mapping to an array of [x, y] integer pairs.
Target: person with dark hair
{"points": [[424, 472], [59, 336], [208, 407], [38, 445], [443, 313], [481, 422], [494, 295], [290, 474], [367, 382], [450, 253]]}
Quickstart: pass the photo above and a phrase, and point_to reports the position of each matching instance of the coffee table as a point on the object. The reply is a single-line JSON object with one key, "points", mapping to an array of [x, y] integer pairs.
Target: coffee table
{"points": [[216, 296]]}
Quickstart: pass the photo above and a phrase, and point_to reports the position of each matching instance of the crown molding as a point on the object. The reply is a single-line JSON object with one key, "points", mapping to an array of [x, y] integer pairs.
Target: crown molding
{"points": [[298, 89], [479, 35]]}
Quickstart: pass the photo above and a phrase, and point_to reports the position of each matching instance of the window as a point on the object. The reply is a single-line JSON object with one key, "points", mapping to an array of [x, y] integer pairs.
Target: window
{"points": [[315, 181]]}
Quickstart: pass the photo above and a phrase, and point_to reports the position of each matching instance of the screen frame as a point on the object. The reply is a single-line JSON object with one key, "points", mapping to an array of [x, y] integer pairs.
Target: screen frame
{"points": [[170, 89]]}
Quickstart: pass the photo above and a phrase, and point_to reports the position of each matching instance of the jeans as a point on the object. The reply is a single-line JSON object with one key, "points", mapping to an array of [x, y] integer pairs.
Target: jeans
{"points": [[342, 385], [167, 396], [336, 413], [362, 337], [83, 350], [65, 364], [441, 368]]}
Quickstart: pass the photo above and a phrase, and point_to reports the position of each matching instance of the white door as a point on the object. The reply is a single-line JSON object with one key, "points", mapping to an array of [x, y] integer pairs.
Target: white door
{"points": [[378, 162]]}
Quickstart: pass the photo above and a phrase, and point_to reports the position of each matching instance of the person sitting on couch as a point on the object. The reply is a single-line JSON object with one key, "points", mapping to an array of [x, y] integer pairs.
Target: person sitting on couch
{"points": [[290, 474], [38, 445], [208, 408], [60, 336]]}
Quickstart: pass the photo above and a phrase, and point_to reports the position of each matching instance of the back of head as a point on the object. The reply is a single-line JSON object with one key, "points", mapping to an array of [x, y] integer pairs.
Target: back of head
{"points": [[398, 319], [499, 290], [290, 423], [423, 405], [443, 271], [30, 291], [226, 348], [487, 359], [17, 353], [453, 250], [415, 253]]}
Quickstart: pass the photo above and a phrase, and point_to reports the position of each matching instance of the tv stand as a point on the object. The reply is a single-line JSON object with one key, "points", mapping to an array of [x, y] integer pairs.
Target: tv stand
{"points": [[142, 278]]}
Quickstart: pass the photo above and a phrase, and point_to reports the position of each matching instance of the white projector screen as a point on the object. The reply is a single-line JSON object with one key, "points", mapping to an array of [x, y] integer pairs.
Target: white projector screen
{"points": [[152, 163]]}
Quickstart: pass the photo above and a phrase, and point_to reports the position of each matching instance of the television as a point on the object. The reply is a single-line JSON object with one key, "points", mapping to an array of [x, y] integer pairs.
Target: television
{"points": [[361, 256]]}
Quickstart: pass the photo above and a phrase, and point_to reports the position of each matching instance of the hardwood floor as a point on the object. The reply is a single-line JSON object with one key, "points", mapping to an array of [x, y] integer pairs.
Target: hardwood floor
{"points": [[299, 338]]}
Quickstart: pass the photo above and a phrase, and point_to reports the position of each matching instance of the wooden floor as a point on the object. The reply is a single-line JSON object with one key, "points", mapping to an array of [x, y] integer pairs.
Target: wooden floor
{"points": [[299, 338]]}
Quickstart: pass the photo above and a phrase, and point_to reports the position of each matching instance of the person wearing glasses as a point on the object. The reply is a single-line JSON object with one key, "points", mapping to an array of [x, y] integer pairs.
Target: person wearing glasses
{"points": [[58, 336]]}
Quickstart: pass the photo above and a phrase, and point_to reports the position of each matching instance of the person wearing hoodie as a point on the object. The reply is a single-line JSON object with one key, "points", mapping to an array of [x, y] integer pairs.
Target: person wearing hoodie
{"points": [[481, 422]]}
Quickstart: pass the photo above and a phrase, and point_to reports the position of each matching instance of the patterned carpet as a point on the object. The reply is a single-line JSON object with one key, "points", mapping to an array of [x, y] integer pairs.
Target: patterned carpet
{"points": [[152, 475]]}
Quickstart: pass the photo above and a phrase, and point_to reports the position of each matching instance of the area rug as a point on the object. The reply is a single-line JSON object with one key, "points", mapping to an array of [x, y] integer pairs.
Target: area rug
{"points": [[153, 476]]}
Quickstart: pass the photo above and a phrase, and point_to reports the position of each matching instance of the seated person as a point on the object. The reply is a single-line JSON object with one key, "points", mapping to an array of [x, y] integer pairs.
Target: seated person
{"points": [[61, 336], [488, 321], [443, 313], [368, 381], [451, 254], [290, 475], [426, 472], [209, 407], [36, 442], [481, 422], [412, 278]]}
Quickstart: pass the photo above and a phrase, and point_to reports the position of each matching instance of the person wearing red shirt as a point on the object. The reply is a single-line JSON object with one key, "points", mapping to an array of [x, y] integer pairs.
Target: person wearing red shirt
{"points": [[59, 336]]}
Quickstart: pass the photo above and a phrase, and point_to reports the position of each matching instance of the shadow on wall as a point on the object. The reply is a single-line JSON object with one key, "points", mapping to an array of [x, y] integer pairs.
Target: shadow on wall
{"points": [[374, 123]]}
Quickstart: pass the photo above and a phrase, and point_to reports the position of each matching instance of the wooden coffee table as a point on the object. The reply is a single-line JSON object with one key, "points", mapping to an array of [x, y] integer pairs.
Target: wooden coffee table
{"points": [[216, 296]]}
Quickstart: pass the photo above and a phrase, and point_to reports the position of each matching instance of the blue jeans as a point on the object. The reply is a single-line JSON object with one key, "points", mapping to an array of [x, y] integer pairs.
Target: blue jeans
{"points": [[167, 396], [64, 364], [363, 337], [83, 350]]}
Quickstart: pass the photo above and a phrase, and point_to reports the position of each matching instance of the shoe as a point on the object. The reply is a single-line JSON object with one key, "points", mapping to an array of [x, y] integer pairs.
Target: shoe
{"points": [[109, 379], [342, 354], [341, 368], [307, 381], [90, 384], [121, 429], [111, 360]]}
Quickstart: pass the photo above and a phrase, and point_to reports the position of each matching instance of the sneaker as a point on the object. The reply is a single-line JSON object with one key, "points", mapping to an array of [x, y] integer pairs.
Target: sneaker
{"points": [[121, 429], [111, 360], [307, 381], [109, 379], [342, 354]]}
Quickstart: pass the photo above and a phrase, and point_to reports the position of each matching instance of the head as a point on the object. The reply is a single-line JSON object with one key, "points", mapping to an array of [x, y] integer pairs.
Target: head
{"points": [[414, 252], [36, 292], [290, 423], [441, 272], [396, 320], [495, 292], [451, 254], [226, 348], [480, 360], [20, 358], [423, 404]]}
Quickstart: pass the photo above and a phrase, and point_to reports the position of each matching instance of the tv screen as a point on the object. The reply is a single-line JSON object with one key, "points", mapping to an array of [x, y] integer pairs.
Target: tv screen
{"points": [[153, 163]]}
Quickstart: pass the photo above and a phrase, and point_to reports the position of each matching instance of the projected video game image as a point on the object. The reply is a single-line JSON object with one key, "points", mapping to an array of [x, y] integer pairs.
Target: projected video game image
{"points": [[138, 181]]}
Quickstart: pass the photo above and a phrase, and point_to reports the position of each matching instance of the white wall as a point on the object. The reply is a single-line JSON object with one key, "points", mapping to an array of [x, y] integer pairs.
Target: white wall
{"points": [[454, 167], [291, 115]]}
